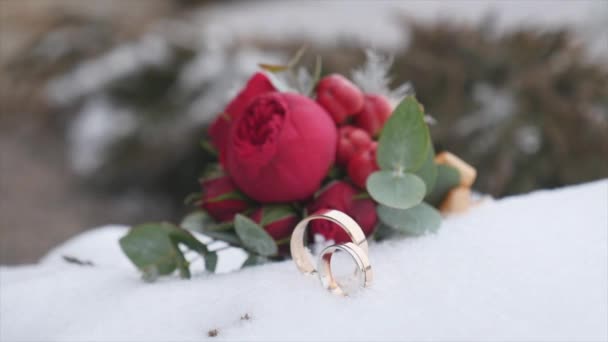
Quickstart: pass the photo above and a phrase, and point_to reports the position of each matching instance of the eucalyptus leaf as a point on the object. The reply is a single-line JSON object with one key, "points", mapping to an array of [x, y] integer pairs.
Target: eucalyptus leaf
{"points": [[254, 260], [383, 232], [428, 171], [416, 221], [447, 178], [197, 221], [404, 141], [254, 237], [184, 237], [211, 261], [396, 190], [150, 248], [227, 236]]}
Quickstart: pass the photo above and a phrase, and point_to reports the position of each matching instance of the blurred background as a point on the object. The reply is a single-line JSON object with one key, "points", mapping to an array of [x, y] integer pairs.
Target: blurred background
{"points": [[104, 102]]}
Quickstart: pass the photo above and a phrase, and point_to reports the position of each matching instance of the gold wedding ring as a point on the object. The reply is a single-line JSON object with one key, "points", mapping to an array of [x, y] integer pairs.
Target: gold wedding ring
{"points": [[357, 249], [356, 253]]}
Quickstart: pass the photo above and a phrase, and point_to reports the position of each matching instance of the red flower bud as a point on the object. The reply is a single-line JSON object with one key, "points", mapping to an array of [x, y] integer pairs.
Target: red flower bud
{"points": [[339, 96], [342, 196], [221, 199], [351, 140], [376, 110], [362, 165], [277, 220]]}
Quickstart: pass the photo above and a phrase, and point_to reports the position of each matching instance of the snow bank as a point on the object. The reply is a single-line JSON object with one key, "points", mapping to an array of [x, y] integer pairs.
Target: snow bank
{"points": [[525, 268]]}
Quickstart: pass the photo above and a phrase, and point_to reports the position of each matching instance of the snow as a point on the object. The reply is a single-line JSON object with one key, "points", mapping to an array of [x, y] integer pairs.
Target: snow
{"points": [[531, 267], [377, 24]]}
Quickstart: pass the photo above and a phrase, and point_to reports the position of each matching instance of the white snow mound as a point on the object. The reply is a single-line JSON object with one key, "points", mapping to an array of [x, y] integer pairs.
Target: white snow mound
{"points": [[525, 268]]}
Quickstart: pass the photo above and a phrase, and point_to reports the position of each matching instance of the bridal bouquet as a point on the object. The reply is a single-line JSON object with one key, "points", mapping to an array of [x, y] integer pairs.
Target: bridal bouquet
{"points": [[292, 143]]}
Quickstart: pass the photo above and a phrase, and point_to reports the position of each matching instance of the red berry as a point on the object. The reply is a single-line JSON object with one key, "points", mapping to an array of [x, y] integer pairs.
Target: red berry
{"points": [[362, 165], [351, 140], [339, 96], [376, 110]]}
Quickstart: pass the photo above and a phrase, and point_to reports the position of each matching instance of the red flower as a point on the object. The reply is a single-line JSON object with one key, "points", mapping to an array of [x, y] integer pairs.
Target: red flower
{"points": [[341, 196], [351, 140], [339, 96], [277, 220], [362, 165], [376, 110], [219, 129], [280, 148], [221, 199]]}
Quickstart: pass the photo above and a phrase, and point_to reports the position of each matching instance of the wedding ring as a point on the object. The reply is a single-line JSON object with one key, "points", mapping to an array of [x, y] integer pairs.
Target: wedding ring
{"points": [[301, 255], [357, 254]]}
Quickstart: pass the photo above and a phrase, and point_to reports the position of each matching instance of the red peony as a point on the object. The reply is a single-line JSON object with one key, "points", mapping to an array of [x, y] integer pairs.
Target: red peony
{"points": [[376, 110], [362, 165], [219, 129], [221, 199], [339, 96], [281, 147], [351, 140], [278, 221], [341, 196]]}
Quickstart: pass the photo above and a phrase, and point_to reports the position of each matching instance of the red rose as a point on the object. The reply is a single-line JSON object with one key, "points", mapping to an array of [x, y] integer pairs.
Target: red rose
{"points": [[351, 140], [341, 196], [281, 147], [219, 129], [376, 110], [362, 165], [277, 220], [339, 96], [221, 199]]}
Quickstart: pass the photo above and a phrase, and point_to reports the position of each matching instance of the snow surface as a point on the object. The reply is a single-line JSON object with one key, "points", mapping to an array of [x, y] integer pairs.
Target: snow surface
{"points": [[526, 268]]}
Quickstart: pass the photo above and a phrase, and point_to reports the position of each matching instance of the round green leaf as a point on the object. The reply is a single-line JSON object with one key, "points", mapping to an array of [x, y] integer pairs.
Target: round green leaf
{"points": [[396, 190], [404, 141], [150, 247], [428, 171], [447, 179], [417, 220], [254, 237]]}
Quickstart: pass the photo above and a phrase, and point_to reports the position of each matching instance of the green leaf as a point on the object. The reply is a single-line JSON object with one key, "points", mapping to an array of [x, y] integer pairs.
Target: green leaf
{"points": [[227, 236], [396, 190], [197, 221], [211, 261], [200, 222], [254, 237], [232, 195], [417, 220], [273, 67], [447, 179], [383, 232], [183, 236], [405, 138], [254, 260], [428, 171], [273, 213], [150, 248]]}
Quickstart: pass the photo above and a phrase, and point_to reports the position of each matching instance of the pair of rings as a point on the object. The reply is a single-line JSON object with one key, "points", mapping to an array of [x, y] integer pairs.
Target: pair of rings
{"points": [[357, 249]]}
